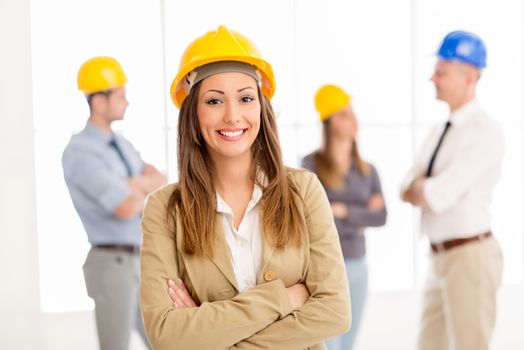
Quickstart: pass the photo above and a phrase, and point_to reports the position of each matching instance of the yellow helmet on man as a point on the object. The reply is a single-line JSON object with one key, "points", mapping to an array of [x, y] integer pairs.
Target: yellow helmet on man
{"points": [[100, 74]]}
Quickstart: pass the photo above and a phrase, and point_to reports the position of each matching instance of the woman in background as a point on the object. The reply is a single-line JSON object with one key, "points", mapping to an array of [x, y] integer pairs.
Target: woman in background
{"points": [[354, 192]]}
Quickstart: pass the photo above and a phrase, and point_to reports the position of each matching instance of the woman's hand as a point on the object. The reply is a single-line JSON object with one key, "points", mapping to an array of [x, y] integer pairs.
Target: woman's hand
{"points": [[376, 202], [179, 295], [340, 210], [298, 294]]}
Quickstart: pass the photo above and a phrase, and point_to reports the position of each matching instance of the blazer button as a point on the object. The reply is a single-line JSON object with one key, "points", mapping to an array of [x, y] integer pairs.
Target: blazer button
{"points": [[270, 276]]}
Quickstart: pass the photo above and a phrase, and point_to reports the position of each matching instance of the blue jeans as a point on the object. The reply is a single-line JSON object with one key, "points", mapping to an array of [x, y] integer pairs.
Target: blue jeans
{"points": [[357, 271]]}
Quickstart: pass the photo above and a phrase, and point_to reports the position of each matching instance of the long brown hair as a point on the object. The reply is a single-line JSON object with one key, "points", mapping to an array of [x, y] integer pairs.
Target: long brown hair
{"points": [[194, 198], [325, 166]]}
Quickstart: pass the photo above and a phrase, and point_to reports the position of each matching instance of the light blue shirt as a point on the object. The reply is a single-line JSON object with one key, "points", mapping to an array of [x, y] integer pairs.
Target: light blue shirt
{"points": [[97, 181]]}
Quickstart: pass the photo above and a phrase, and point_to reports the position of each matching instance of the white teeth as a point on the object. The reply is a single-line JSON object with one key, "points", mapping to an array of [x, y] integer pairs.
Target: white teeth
{"points": [[231, 133]]}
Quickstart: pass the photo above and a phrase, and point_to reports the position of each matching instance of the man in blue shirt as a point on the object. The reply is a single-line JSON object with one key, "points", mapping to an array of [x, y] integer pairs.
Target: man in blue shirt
{"points": [[108, 182]]}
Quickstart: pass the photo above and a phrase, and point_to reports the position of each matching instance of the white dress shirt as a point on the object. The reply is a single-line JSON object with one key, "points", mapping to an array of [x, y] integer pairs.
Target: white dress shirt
{"points": [[245, 245], [466, 170]]}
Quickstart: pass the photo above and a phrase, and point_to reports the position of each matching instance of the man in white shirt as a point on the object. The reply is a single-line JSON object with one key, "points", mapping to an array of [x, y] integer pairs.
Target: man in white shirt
{"points": [[452, 181]]}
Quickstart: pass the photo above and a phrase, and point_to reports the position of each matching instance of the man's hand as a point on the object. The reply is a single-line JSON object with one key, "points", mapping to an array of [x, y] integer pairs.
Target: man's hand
{"points": [[151, 179], [149, 170], [133, 204], [415, 193]]}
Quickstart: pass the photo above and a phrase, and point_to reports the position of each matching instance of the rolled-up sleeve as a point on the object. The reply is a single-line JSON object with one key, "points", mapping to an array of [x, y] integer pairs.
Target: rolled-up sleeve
{"points": [[90, 175], [328, 311]]}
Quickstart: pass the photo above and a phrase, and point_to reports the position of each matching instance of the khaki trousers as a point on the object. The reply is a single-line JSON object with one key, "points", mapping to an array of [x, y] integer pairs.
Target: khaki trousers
{"points": [[460, 297], [112, 281]]}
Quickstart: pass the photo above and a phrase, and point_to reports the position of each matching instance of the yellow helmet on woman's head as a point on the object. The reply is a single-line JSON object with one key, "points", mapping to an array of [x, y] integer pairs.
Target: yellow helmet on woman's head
{"points": [[217, 46], [330, 99]]}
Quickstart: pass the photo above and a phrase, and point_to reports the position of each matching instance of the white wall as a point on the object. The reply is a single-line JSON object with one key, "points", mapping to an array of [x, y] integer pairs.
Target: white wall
{"points": [[19, 295], [22, 323], [390, 321]]}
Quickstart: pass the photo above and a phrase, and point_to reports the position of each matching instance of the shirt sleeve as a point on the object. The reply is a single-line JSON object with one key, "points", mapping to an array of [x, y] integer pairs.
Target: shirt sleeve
{"points": [[360, 215], [328, 311], [90, 175], [141, 162], [308, 163], [483, 150]]}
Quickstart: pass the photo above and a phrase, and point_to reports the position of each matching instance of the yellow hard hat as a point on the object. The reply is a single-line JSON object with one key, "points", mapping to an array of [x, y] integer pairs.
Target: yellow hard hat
{"points": [[330, 99], [221, 45], [99, 74]]}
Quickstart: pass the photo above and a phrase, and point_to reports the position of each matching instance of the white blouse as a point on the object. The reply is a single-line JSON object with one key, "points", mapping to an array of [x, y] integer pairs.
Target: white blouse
{"points": [[245, 245]]}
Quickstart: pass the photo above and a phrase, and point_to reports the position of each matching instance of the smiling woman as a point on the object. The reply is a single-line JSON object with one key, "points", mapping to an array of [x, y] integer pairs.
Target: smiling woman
{"points": [[240, 242], [229, 118]]}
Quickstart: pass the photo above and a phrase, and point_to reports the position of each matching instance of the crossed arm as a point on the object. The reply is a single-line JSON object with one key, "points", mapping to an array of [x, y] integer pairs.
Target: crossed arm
{"points": [[139, 187], [479, 154]]}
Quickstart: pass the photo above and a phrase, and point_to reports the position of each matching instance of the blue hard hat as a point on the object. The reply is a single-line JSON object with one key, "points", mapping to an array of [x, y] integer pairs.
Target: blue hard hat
{"points": [[464, 47]]}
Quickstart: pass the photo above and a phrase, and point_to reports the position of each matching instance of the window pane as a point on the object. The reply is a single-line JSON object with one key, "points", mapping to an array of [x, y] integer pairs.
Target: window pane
{"points": [[390, 248], [365, 50], [507, 206], [298, 141], [62, 241], [500, 25], [60, 44]]}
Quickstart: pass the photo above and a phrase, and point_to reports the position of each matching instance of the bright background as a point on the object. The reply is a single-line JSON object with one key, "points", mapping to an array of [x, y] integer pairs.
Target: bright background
{"points": [[381, 51]]}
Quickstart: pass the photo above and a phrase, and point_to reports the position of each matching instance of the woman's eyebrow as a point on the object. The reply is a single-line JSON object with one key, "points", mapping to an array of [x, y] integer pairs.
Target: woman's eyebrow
{"points": [[222, 92], [245, 88], [213, 90]]}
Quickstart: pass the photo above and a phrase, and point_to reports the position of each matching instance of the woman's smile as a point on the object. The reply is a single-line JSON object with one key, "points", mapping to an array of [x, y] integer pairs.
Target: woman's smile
{"points": [[232, 134]]}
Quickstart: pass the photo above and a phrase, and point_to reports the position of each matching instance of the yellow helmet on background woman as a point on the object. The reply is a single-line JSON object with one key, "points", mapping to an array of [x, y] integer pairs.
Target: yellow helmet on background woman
{"points": [[330, 99], [216, 46], [100, 74]]}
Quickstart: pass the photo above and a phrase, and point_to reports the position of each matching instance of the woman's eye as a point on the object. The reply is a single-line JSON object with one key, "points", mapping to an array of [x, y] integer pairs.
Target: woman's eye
{"points": [[213, 101], [247, 99]]}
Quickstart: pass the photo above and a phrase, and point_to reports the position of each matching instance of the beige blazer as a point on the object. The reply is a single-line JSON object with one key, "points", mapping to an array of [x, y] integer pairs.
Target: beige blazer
{"points": [[261, 317]]}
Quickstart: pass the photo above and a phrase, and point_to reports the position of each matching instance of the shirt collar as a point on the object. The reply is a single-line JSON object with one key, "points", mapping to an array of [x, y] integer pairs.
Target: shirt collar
{"points": [[224, 208], [464, 113], [95, 132]]}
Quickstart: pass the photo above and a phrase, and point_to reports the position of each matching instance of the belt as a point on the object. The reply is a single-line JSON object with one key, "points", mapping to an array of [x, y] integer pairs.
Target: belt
{"points": [[131, 249], [446, 245]]}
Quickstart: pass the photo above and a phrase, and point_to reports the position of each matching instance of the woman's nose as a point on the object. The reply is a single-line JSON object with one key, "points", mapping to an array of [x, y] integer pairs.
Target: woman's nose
{"points": [[232, 114]]}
